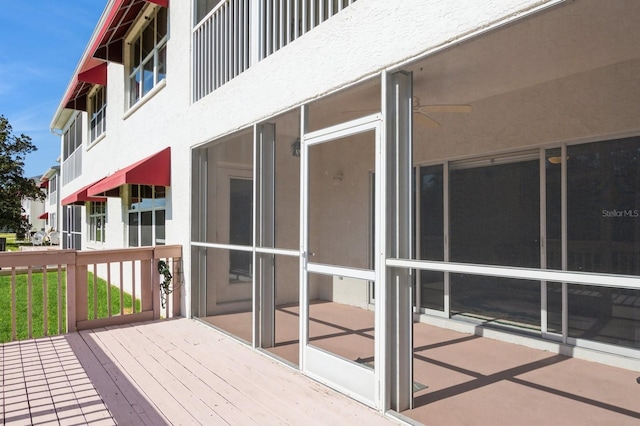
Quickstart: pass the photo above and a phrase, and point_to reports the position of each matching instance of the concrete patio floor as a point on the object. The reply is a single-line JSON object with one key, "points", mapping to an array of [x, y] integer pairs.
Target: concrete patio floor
{"points": [[470, 380]]}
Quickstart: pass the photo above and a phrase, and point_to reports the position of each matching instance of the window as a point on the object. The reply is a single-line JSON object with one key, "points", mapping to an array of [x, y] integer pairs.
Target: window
{"points": [[72, 138], [97, 112], [97, 220], [71, 152], [147, 56], [146, 212], [53, 189]]}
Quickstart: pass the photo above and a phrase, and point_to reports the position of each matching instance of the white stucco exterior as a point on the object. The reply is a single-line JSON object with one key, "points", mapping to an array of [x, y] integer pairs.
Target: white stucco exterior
{"points": [[525, 82], [360, 41]]}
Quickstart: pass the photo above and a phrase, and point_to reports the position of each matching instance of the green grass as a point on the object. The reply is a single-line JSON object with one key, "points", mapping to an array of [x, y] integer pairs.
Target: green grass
{"points": [[12, 244], [37, 294]]}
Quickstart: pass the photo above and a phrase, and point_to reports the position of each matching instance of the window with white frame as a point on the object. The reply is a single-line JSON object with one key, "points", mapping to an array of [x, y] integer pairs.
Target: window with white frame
{"points": [[52, 222], [148, 56], [97, 220], [97, 112], [146, 215], [71, 150], [53, 189]]}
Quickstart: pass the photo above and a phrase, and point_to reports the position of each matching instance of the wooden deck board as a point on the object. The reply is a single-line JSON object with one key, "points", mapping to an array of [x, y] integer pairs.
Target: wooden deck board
{"points": [[167, 372], [184, 386], [235, 405], [136, 373], [259, 378], [113, 396], [181, 372], [184, 372], [144, 411]]}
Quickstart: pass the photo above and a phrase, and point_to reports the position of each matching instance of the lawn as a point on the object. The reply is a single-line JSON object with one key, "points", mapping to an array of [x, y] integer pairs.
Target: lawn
{"points": [[12, 244], [52, 304]]}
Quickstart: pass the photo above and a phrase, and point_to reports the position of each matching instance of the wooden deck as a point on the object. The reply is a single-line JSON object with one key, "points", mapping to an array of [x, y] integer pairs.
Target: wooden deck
{"points": [[169, 372], [183, 372]]}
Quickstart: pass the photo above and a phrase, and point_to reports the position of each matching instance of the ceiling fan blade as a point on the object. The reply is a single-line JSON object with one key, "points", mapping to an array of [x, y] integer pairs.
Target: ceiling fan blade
{"points": [[358, 111], [444, 108], [425, 121]]}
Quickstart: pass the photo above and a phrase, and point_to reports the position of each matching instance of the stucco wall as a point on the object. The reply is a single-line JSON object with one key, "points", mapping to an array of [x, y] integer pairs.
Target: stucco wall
{"points": [[360, 41]]}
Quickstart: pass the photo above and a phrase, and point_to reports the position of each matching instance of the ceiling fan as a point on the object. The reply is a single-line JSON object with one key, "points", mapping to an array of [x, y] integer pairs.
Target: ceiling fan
{"points": [[420, 112]]}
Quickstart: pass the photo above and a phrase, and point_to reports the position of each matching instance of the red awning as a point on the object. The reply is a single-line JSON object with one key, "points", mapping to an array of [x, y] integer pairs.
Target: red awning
{"points": [[44, 215], [80, 196], [44, 184], [153, 170], [108, 46]]}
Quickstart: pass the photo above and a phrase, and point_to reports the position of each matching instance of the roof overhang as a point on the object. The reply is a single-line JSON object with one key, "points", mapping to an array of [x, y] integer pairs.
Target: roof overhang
{"points": [[153, 170], [81, 196], [53, 170], [106, 45]]}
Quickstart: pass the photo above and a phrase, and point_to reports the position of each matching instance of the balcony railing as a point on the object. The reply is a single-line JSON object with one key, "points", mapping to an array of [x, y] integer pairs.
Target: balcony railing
{"points": [[239, 33], [56, 291], [72, 166]]}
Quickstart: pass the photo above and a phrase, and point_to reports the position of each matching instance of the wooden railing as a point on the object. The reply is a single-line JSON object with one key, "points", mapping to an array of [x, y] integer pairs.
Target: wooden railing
{"points": [[57, 291]]}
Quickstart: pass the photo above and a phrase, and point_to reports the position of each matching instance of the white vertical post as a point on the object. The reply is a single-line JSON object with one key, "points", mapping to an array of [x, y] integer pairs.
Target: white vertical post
{"points": [[565, 263], [265, 231], [398, 307], [543, 241], [304, 239], [255, 286], [447, 255]]}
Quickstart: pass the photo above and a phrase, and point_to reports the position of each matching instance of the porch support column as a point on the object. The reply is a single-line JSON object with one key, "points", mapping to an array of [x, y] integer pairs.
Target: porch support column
{"points": [[399, 309], [199, 209], [265, 235]]}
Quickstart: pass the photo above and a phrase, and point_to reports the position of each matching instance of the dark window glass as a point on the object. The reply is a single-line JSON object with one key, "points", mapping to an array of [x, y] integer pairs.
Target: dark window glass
{"points": [[146, 228], [133, 229], [160, 227], [431, 235], [240, 224], [495, 220], [603, 207]]}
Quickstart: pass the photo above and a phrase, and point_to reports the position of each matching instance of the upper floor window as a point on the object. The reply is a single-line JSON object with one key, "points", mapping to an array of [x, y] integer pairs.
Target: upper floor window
{"points": [[72, 138], [97, 112], [71, 152], [53, 189], [148, 56]]}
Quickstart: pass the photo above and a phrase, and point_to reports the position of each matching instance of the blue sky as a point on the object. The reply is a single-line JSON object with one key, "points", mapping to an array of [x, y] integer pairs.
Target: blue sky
{"points": [[41, 42]]}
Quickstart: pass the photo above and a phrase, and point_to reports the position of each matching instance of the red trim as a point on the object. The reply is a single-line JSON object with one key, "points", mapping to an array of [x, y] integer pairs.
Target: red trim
{"points": [[153, 170], [80, 196], [44, 215]]}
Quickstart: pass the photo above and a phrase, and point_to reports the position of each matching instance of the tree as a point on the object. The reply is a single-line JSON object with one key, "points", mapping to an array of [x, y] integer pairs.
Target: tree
{"points": [[13, 185]]}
